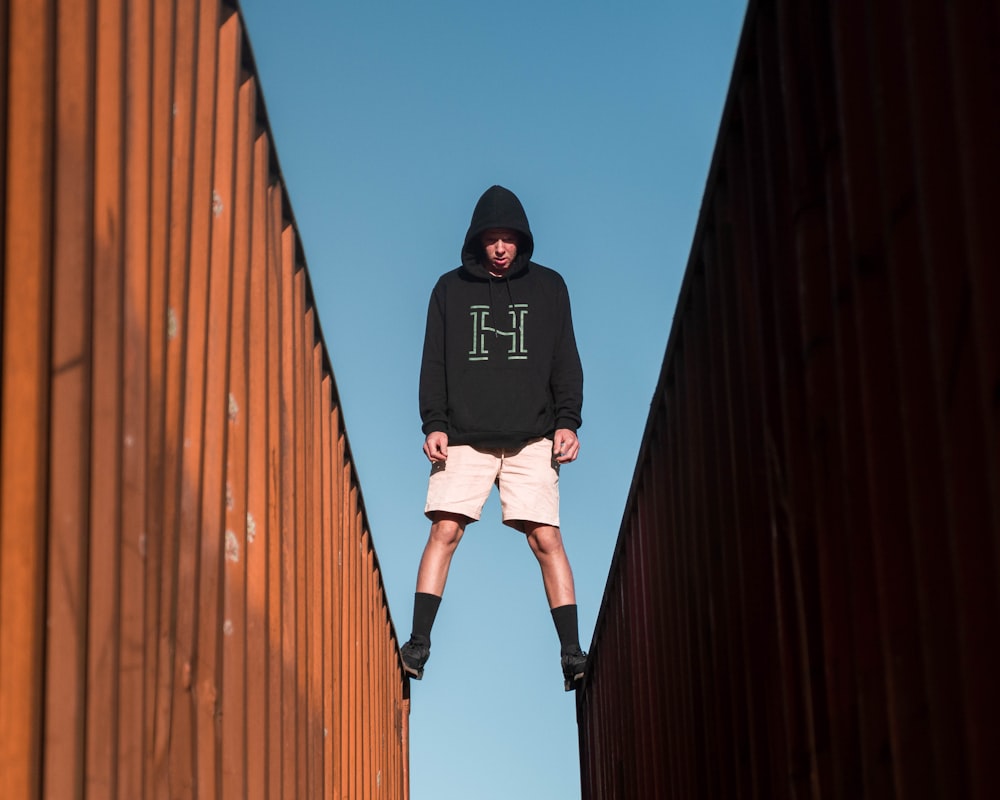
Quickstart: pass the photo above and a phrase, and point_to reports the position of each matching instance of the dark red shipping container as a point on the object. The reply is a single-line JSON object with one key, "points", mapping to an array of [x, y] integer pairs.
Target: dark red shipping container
{"points": [[804, 598]]}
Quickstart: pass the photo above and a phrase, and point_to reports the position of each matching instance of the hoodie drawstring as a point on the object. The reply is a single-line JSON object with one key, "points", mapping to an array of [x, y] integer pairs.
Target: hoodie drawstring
{"points": [[493, 312]]}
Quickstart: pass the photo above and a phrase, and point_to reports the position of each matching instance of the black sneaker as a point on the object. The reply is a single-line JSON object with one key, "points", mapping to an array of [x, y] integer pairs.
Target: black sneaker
{"points": [[574, 664], [415, 655]]}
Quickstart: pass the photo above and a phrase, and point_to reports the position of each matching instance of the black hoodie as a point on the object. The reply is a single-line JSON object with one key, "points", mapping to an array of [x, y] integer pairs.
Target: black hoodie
{"points": [[500, 364]]}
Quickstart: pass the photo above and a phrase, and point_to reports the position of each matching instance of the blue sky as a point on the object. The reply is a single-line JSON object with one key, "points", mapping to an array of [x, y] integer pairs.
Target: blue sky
{"points": [[389, 120]]}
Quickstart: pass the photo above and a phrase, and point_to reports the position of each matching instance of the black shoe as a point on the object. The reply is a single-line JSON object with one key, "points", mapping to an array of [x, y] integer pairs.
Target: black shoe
{"points": [[574, 664], [415, 655]]}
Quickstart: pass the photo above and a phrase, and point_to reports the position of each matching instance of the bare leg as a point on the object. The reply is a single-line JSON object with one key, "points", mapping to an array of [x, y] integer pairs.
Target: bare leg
{"points": [[446, 533], [546, 543]]}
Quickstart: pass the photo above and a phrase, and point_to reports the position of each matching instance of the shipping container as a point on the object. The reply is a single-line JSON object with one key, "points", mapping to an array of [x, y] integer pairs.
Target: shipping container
{"points": [[804, 596], [190, 599]]}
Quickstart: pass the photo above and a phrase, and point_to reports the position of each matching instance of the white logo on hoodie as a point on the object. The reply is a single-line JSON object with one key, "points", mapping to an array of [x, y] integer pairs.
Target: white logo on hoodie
{"points": [[516, 350]]}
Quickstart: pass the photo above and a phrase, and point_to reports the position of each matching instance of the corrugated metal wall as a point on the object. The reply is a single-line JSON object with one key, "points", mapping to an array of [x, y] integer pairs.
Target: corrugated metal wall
{"points": [[190, 603], [804, 597]]}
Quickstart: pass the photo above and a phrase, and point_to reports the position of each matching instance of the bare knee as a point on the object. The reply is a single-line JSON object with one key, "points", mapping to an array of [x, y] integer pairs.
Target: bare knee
{"points": [[544, 540], [447, 530]]}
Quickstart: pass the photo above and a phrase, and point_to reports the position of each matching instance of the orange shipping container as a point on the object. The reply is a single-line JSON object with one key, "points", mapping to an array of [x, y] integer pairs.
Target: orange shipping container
{"points": [[185, 562]]}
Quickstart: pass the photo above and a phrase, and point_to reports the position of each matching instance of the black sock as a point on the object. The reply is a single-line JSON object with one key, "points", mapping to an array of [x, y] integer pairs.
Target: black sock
{"points": [[567, 627], [425, 608]]}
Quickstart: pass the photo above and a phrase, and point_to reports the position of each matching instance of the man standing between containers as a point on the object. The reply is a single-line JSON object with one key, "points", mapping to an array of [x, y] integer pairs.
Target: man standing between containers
{"points": [[501, 388]]}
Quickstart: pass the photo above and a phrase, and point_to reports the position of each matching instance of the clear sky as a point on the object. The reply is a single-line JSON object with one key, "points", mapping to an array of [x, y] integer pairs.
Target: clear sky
{"points": [[390, 119]]}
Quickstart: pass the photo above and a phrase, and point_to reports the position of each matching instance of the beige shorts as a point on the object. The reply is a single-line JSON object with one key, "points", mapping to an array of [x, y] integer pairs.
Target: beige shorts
{"points": [[528, 479]]}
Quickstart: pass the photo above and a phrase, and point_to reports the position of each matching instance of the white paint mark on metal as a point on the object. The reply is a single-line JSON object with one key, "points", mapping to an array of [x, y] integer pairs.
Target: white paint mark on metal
{"points": [[232, 547]]}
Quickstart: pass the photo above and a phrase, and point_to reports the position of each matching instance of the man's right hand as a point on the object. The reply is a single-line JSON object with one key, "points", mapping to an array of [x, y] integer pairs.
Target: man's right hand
{"points": [[436, 446]]}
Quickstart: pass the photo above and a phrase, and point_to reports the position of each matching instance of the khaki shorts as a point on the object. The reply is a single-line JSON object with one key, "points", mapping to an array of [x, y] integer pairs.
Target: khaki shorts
{"points": [[528, 479]]}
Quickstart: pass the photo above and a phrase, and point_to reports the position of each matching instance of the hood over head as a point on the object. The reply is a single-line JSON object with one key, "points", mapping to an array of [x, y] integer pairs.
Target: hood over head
{"points": [[497, 208]]}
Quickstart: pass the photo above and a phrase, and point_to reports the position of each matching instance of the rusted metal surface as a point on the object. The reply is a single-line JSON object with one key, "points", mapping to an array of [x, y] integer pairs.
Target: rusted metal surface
{"points": [[190, 599], [804, 599]]}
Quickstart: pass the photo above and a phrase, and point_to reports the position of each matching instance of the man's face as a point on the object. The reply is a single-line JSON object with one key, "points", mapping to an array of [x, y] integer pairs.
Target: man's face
{"points": [[500, 246]]}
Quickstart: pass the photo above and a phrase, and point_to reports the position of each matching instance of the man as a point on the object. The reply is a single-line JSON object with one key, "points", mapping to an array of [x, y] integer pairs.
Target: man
{"points": [[501, 390]]}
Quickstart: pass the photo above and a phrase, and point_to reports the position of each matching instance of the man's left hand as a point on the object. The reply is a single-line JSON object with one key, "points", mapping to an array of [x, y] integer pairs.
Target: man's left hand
{"points": [[565, 446]]}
